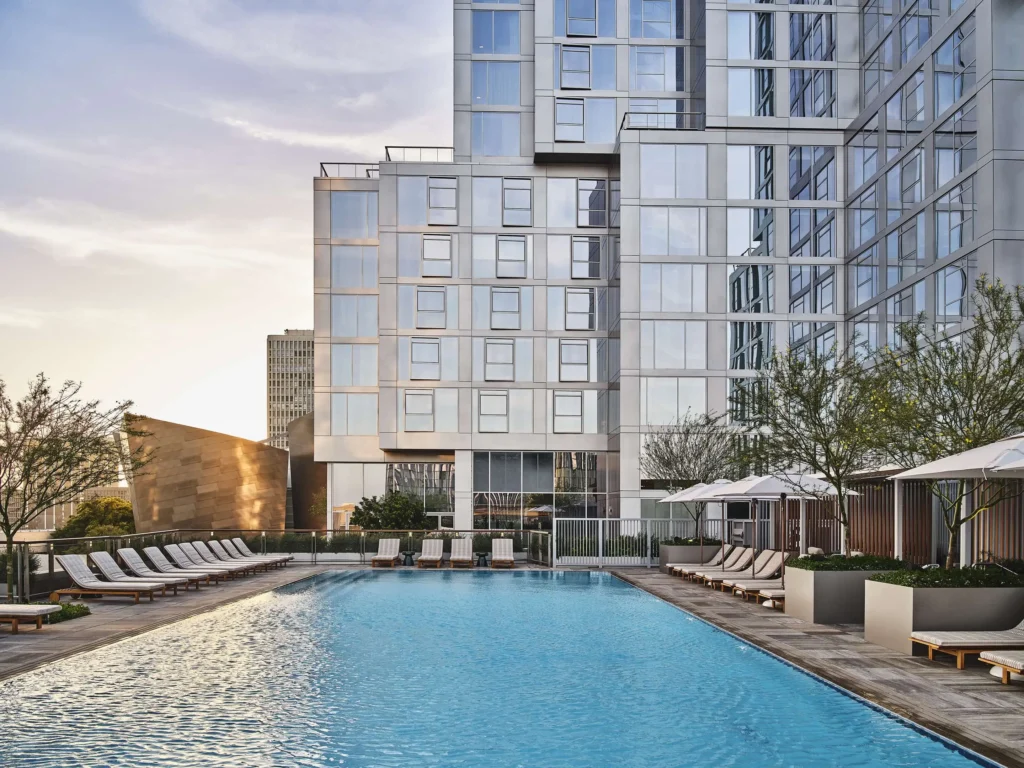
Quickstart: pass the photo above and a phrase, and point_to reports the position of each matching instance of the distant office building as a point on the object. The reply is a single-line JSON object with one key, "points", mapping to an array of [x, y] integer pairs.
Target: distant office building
{"points": [[58, 514], [289, 382]]}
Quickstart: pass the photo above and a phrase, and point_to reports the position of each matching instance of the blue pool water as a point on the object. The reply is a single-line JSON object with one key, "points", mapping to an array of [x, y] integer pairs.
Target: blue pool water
{"points": [[567, 670]]}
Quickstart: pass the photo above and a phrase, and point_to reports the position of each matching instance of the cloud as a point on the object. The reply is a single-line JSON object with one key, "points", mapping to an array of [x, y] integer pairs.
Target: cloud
{"points": [[338, 39], [364, 145], [79, 231], [31, 318], [14, 317], [20, 143]]}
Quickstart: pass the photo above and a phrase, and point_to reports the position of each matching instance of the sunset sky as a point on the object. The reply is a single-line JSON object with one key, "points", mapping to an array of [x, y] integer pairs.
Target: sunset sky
{"points": [[156, 164]]}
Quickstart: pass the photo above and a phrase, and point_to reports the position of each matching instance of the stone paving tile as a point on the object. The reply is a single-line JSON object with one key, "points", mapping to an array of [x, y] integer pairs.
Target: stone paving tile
{"points": [[968, 706]]}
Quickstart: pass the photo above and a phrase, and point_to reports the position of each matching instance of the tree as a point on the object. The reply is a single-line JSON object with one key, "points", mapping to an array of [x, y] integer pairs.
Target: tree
{"points": [[949, 393], [696, 448], [318, 510], [108, 513], [395, 511], [54, 446], [814, 413]]}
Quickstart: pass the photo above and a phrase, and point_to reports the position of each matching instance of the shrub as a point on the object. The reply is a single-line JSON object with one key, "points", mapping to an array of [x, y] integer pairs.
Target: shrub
{"points": [[109, 514], [858, 563], [394, 512], [964, 577], [67, 612], [677, 541], [35, 563]]}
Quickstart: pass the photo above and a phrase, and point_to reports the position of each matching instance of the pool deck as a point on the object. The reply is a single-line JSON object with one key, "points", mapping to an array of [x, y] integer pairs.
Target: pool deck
{"points": [[970, 706]]}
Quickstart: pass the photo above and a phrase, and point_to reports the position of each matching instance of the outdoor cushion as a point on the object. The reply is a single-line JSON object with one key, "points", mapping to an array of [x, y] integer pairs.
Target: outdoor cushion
{"points": [[1012, 659], [18, 611], [997, 639]]}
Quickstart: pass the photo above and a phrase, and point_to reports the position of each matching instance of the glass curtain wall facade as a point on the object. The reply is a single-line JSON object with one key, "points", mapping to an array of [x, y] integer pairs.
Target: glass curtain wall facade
{"points": [[645, 198]]}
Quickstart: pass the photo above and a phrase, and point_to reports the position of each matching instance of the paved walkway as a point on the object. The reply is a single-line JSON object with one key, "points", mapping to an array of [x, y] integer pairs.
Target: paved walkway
{"points": [[970, 706]]}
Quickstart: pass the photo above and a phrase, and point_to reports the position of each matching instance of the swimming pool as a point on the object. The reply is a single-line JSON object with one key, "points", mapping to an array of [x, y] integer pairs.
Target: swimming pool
{"points": [[445, 669]]}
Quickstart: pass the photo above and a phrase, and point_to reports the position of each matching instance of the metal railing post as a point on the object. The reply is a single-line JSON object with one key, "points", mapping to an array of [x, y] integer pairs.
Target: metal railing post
{"points": [[600, 543], [313, 536], [554, 543], [650, 552]]}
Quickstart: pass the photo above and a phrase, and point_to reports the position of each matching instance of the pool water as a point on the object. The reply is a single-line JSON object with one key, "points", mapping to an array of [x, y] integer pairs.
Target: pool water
{"points": [[445, 669]]}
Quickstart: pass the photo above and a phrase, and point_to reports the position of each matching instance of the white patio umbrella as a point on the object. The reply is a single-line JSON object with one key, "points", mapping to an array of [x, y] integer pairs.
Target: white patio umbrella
{"points": [[1005, 455], [691, 494]]}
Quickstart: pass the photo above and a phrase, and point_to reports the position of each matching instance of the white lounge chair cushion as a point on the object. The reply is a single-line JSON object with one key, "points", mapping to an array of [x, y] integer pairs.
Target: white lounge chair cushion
{"points": [[501, 550], [387, 549], [433, 549], [17, 611], [462, 549], [1011, 659], [1004, 639], [772, 594]]}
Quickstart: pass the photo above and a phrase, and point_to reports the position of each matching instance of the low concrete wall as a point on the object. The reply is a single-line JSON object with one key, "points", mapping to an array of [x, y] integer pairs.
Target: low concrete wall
{"points": [[684, 553], [826, 597], [892, 612]]}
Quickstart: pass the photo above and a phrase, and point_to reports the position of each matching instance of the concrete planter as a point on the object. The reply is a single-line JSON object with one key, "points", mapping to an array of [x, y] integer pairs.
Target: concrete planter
{"points": [[826, 597], [683, 553], [892, 612]]}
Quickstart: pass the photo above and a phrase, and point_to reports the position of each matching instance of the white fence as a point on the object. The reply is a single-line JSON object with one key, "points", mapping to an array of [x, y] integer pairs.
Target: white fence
{"points": [[624, 542]]}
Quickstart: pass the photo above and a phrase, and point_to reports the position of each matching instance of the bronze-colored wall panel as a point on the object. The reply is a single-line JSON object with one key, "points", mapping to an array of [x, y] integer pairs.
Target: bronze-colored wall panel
{"points": [[206, 480]]}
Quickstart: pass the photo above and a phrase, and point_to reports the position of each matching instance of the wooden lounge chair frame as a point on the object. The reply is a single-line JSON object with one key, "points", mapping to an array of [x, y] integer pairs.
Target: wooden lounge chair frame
{"points": [[14, 621], [961, 653], [78, 592], [431, 562], [1005, 671], [385, 561]]}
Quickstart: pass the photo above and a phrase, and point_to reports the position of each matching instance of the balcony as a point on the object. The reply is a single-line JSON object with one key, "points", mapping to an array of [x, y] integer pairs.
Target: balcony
{"points": [[664, 121], [420, 154], [349, 171]]}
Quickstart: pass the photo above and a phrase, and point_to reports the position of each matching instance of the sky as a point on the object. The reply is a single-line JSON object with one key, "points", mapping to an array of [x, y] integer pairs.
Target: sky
{"points": [[156, 166]]}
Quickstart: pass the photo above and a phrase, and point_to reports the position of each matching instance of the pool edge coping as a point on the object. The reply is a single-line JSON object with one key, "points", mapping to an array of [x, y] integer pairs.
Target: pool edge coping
{"points": [[933, 731]]}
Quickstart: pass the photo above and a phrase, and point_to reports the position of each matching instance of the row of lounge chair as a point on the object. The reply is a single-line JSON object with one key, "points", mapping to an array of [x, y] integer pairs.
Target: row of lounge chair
{"points": [[1003, 649], [432, 555], [740, 571], [189, 565]]}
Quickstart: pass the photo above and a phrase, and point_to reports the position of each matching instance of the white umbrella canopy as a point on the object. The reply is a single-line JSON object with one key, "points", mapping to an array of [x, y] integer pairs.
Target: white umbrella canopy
{"points": [[680, 495], [996, 458], [795, 486], [723, 492]]}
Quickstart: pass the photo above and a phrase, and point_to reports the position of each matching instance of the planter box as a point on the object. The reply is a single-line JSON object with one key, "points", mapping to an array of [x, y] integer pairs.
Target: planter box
{"points": [[826, 597], [892, 612], [683, 553]]}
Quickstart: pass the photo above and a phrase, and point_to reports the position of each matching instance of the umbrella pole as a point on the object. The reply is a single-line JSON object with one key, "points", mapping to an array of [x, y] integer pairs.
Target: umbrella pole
{"points": [[785, 535], [753, 514]]}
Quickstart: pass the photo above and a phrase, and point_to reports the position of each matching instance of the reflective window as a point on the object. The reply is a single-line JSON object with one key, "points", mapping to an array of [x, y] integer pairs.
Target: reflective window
{"points": [[751, 92], [584, 18], [657, 19], [902, 308], [670, 344], [812, 93], [353, 365], [487, 201], [505, 308], [517, 202], [353, 316], [353, 266], [865, 277], [430, 305], [955, 66], [673, 171], [750, 232], [423, 200], [425, 359], [812, 37], [585, 67], [568, 411], [915, 29], [863, 218], [812, 290], [442, 197], [673, 287], [956, 143], [812, 233], [863, 154], [673, 231], [561, 202], [592, 203], [664, 400], [493, 411], [751, 35], [751, 288], [496, 134], [437, 256], [905, 115], [573, 360], [511, 256], [952, 295], [905, 251], [496, 83], [657, 68], [353, 215], [751, 344], [812, 173], [568, 119], [750, 172], [353, 414], [419, 410], [496, 32], [586, 258], [499, 359], [954, 218], [575, 66], [580, 310], [876, 17]]}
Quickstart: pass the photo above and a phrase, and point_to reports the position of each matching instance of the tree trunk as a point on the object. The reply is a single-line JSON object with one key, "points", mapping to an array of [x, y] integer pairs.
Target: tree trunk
{"points": [[951, 548], [10, 568]]}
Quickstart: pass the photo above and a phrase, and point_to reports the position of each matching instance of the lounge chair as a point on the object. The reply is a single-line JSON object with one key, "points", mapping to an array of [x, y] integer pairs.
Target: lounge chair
{"points": [[691, 571], [15, 614], [964, 644], [163, 565], [716, 559], [217, 550], [387, 554], [249, 553], [501, 554], [207, 558], [462, 553], [776, 596], [184, 561], [134, 562], [765, 563], [86, 583], [432, 555], [111, 572], [1007, 661], [275, 560], [767, 576], [737, 567]]}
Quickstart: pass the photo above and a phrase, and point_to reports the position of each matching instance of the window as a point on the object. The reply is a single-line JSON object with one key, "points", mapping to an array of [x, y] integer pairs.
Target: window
{"points": [[751, 92], [442, 207], [812, 93], [904, 184], [517, 202], [664, 400], [511, 256], [812, 290], [590, 120], [437, 256], [952, 288], [877, 18], [915, 29], [575, 66], [673, 231], [673, 344], [353, 365], [656, 19], [353, 414], [586, 258], [668, 171], [905, 115], [353, 266], [955, 66], [505, 308], [496, 32], [865, 277], [419, 410], [750, 345], [592, 202], [496, 83], [812, 173], [568, 411], [751, 35], [585, 67], [954, 218], [656, 68], [812, 37], [353, 215], [751, 288], [496, 134], [863, 154], [353, 316], [425, 359], [580, 314], [863, 214], [750, 172], [423, 200], [584, 18], [812, 233], [493, 411], [573, 360], [569, 120], [499, 360], [673, 287], [430, 308], [956, 144], [905, 250]]}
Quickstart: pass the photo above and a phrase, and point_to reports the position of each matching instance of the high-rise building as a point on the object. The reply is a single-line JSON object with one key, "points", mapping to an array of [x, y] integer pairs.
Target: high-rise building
{"points": [[644, 198], [289, 382]]}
